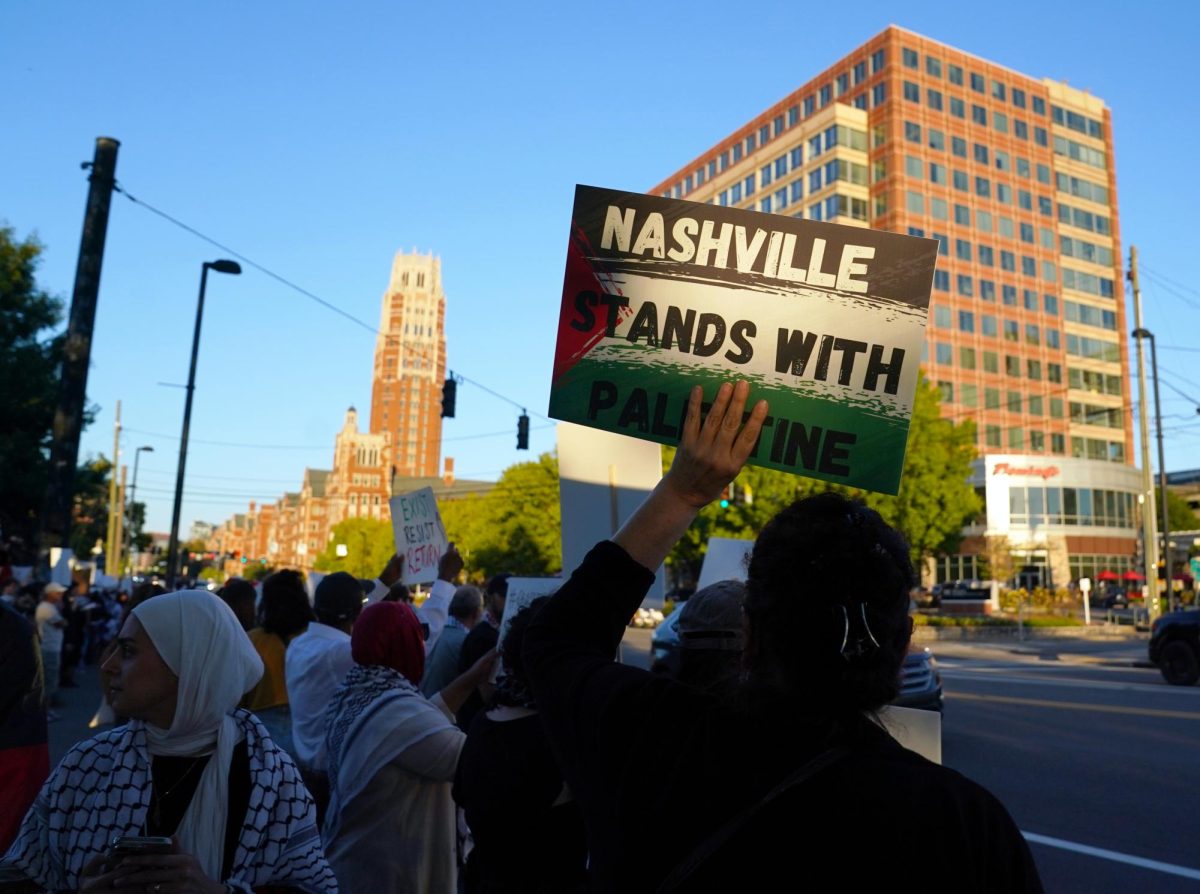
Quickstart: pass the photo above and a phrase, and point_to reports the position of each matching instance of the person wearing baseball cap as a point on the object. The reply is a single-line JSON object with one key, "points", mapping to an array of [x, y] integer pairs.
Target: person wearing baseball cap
{"points": [[315, 664], [50, 627]]}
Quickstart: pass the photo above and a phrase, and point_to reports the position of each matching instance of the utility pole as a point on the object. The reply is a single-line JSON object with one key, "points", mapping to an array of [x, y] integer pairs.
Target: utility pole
{"points": [[119, 533], [1149, 537], [114, 507], [77, 350]]}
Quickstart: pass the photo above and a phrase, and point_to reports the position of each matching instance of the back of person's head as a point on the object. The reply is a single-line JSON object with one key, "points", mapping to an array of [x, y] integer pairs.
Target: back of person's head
{"points": [[399, 592], [240, 596], [284, 610], [388, 634], [711, 637], [514, 686], [143, 591], [827, 605], [338, 599], [497, 584], [466, 602]]}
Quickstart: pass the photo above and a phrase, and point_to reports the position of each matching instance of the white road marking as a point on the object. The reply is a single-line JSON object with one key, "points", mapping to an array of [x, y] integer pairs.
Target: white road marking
{"points": [[1115, 856]]}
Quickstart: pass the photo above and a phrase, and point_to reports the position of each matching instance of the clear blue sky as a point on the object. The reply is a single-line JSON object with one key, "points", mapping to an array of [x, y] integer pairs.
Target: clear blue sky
{"points": [[320, 138]]}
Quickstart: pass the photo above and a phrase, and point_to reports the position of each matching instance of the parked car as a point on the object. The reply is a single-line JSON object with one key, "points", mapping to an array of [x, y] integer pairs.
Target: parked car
{"points": [[1175, 647], [920, 681]]}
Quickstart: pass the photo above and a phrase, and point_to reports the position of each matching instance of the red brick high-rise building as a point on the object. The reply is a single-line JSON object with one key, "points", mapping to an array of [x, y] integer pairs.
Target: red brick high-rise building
{"points": [[1014, 176], [410, 365]]}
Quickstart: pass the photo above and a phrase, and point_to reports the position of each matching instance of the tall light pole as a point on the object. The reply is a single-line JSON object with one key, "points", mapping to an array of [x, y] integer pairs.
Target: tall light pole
{"points": [[231, 267], [1140, 333], [1146, 500], [137, 454]]}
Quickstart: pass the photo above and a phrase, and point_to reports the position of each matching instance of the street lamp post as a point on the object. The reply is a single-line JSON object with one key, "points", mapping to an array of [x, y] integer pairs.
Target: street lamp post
{"points": [[1162, 469], [137, 454], [231, 267]]}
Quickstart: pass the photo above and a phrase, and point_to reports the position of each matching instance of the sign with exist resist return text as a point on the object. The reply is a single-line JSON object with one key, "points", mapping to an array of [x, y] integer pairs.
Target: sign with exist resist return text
{"points": [[826, 322]]}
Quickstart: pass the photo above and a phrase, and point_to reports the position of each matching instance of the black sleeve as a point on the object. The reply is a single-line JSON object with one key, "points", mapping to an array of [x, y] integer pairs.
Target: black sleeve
{"points": [[483, 636], [604, 720]]}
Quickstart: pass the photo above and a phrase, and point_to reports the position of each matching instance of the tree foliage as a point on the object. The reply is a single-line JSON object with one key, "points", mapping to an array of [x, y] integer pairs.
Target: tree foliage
{"points": [[515, 527], [934, 503], [369, 545], [29, 358], [1179, 513]]}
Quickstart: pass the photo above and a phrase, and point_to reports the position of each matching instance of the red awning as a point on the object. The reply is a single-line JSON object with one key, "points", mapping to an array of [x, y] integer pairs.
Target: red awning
{"points": [[1132, 575], [1108, 575]]}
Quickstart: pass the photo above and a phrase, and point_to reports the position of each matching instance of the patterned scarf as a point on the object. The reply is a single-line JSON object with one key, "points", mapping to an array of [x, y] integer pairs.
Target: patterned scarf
{"points": [[362, 687], [101, 789]]}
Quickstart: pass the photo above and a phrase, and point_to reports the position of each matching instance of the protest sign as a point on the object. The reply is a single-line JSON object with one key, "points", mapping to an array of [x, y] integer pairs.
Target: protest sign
{"points": [[419, 533], [917, 730], [826, 322], [603, 478], [725, 558], [521, 592]]}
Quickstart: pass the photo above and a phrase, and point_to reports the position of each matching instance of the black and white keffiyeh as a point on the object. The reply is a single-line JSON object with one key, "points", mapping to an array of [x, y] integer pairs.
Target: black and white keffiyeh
{"points": [[102, 787]]}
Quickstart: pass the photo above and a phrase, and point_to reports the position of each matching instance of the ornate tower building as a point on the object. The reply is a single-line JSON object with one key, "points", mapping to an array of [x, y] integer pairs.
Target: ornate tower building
{"points": [[410, 365]]}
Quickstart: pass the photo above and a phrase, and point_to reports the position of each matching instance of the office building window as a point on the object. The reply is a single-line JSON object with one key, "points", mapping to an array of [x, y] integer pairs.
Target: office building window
{"points": [[912, 92], [957, 107], [933, 99], [954, 74], [977, 82], [966, 286], [909, 58], [958, 146], [878, 94], [966, 321], [979, 115], [937, 140]]}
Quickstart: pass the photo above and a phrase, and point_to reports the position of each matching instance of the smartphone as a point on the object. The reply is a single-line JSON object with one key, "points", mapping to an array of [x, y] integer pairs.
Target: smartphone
{"points": [[130, 845]]}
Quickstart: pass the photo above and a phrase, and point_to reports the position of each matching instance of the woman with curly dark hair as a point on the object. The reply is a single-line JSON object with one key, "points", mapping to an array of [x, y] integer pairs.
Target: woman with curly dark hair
{"points": [[789, 776], [283, 614]]}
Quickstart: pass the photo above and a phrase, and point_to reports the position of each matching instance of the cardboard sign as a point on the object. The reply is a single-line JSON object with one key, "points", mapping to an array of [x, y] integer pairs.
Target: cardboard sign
{"points": [[826, 322], [521, 592], [602, 479], [726, 558], [420, 534], [916, 730]]}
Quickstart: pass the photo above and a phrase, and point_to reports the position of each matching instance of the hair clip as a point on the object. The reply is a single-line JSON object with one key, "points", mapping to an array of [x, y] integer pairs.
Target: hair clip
{"points": [[861, 645]]}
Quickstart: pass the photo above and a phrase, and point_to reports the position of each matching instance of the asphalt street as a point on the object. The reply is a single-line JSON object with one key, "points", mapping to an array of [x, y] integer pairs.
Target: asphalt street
{"points": [[1094, 758]]}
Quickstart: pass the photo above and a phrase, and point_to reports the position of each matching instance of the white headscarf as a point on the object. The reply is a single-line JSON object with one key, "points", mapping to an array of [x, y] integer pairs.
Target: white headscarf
{"points": [[201, 641]]}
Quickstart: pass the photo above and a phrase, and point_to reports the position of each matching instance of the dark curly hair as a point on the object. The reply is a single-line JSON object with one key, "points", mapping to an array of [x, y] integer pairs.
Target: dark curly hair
{"points": [[819, 568], [285, 609]]}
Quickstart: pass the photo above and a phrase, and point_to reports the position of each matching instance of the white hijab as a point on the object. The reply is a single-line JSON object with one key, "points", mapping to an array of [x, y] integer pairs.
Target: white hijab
{"points": [[201, 641]]}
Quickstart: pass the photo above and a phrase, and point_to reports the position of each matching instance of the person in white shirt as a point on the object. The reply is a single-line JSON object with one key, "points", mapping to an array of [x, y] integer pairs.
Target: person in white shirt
{"points": [[315, 665], [50, 626]]}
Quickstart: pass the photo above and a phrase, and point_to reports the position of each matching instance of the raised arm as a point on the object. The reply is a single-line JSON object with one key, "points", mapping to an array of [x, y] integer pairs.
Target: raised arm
{"points": [[710, 455]]}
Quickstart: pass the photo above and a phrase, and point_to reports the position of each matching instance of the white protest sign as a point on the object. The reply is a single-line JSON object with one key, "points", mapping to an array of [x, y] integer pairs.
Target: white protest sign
{"points": [[725, 559], [311, 582], [420, 534], [521, 592], [603, 478], [915, 729]]}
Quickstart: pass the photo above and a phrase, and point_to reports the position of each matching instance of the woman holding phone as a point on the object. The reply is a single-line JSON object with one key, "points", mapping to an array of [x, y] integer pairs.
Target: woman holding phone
{"points": [[189, 767]]}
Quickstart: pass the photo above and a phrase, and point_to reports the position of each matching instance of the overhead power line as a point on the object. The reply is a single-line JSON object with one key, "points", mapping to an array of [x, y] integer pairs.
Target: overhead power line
{"points": [[328, 305]]}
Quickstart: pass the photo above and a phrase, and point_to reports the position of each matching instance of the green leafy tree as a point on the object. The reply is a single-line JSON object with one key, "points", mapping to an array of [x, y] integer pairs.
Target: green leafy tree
{"points": [[934, 503], [29, 358], [369, 545], [515, 527], [1179, 513]]}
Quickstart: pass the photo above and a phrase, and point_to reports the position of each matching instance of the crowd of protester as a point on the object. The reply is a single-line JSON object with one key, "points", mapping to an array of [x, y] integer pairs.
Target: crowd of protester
{"points": [[353, 739]]}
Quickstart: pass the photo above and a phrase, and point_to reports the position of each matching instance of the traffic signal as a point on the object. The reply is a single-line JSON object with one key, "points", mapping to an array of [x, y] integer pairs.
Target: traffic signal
{"points": [[726, 495], [522, 432], [449, 393]]}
